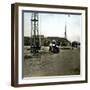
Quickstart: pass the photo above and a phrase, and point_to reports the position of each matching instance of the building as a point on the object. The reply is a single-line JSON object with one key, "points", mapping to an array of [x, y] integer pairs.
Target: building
{"points": [[62, 41]]}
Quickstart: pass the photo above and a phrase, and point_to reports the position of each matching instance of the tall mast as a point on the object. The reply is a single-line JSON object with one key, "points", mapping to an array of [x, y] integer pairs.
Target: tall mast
{"points": [[65, 31], [35, 42]]}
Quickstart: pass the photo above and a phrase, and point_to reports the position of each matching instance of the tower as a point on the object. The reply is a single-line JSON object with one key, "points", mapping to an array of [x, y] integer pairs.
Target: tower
{"points": [[65, 32], [35, 40]]}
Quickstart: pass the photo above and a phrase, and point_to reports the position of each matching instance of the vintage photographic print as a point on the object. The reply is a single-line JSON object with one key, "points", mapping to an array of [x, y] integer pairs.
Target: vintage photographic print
{"points": [[52, 43]]}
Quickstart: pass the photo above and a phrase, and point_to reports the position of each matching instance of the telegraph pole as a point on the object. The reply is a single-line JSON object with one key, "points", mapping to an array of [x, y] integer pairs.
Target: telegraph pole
{"points": [[65, 33]]}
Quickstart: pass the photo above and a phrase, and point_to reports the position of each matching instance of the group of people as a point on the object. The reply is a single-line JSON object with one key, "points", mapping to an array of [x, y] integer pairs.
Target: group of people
{"points": [[54, 47]]}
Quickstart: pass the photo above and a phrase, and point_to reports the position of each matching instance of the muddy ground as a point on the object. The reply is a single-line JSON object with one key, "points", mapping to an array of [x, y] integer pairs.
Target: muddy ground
{"points": [[66, 62]]}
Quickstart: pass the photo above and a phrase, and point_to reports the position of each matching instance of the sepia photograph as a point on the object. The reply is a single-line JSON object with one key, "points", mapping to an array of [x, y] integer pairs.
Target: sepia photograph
{"points": [[49, 44]]}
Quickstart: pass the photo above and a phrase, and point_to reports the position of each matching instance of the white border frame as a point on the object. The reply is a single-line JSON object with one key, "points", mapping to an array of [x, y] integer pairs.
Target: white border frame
{"points": [[33, 80]]}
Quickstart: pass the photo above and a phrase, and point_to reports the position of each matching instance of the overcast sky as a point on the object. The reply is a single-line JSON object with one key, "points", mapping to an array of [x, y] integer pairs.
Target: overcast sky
{"points": [[54, 25]]}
